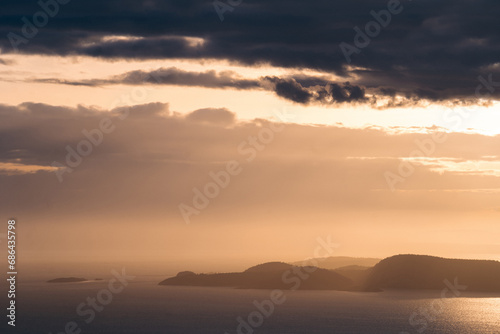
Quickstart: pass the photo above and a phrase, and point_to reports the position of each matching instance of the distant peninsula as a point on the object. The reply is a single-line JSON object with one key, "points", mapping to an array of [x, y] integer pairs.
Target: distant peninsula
{"points": [[410, 272], [430, 272], [334, 262], [67, 280], [272, 275]]}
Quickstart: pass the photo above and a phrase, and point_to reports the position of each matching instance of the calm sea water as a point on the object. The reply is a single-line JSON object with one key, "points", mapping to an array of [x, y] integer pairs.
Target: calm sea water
{"points": [[145, 307]]}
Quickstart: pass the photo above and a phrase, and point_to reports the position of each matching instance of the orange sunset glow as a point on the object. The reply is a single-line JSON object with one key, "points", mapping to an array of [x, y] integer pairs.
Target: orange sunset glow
{"points": [[347, 149]]}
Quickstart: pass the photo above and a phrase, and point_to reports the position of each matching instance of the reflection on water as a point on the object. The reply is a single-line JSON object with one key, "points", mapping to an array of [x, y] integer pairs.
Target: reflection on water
{"points": [[145, 307], [474, 315]]}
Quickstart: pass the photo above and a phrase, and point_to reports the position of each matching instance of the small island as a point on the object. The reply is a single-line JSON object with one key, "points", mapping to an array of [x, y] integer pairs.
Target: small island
{"points": [[67, 280]]}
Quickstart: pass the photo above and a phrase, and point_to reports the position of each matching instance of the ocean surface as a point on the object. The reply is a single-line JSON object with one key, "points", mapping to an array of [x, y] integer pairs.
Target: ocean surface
{"points": [[145, 307]]}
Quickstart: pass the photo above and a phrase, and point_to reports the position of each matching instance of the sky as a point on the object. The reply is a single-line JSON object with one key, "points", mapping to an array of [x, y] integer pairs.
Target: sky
{"points": [[217, 135]]}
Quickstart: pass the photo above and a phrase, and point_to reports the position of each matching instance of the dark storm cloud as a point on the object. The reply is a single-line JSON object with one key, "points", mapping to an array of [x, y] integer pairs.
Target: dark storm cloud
{"points": [[168, 76], [210, 79], [433, 50], [342, 93], [303, 90], [323, 92], [290, 89]]}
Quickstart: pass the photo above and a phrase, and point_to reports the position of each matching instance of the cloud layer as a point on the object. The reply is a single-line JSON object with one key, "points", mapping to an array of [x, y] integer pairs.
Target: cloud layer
{"points": [[157, 158], [302, 90], [432, 50]]}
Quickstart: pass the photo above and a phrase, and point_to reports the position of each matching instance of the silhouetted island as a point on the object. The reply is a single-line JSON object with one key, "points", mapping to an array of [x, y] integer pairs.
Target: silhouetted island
{"points": [[67, 280], [335, 262], [430, 272], [272, 275], [396, 272]]}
